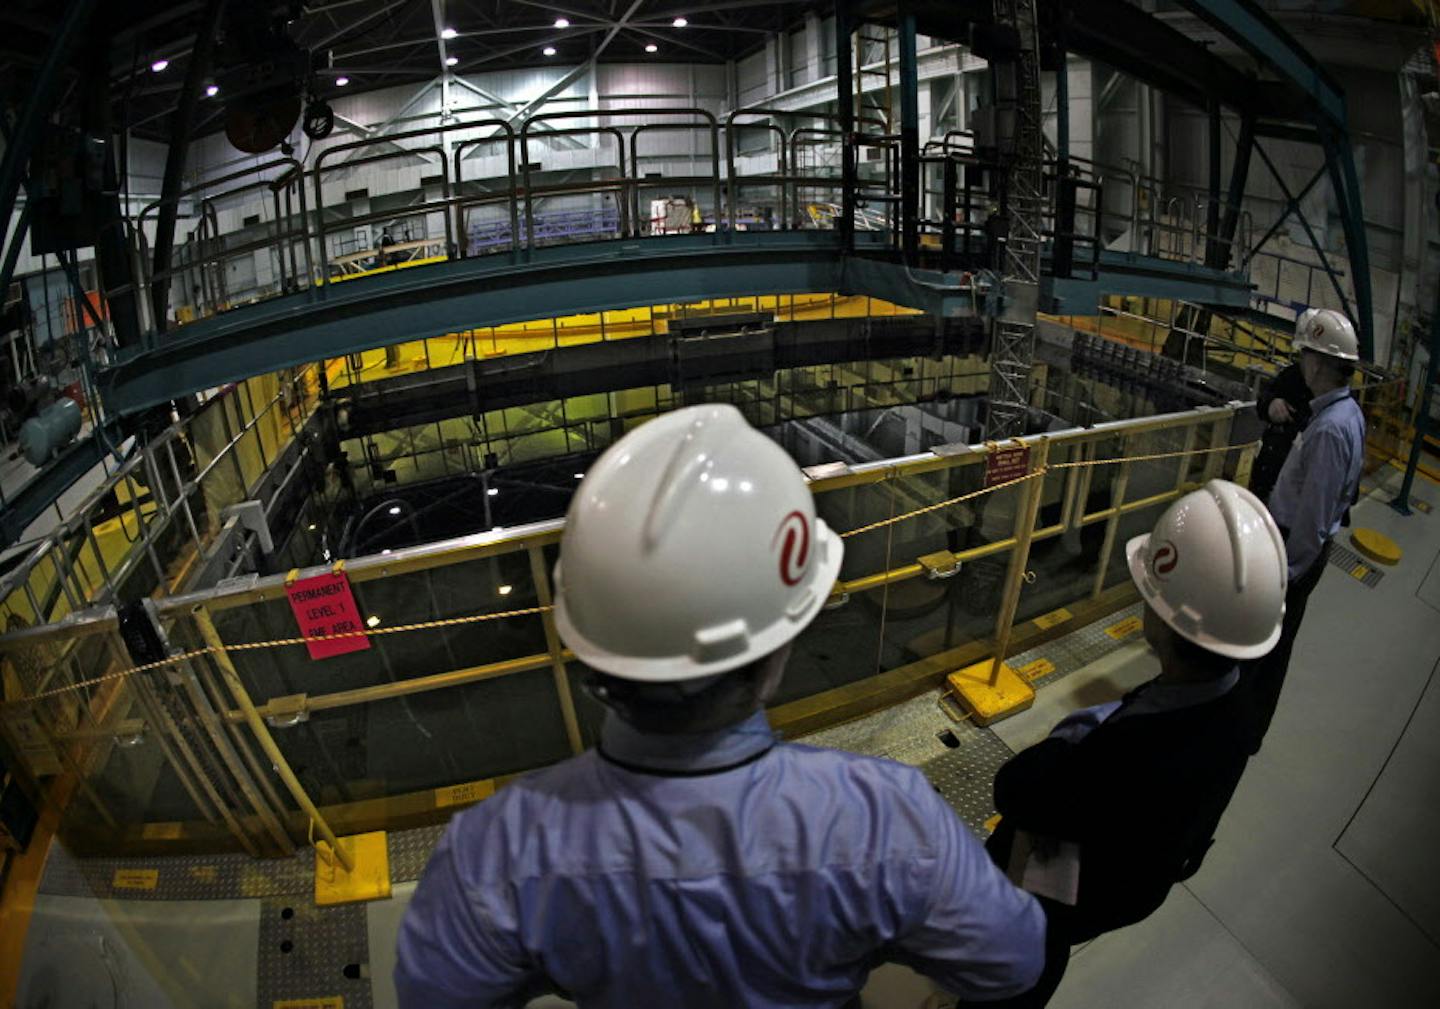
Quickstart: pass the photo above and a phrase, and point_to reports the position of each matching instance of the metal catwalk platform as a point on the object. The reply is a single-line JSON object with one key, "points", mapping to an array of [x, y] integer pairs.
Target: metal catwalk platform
{"points": [[1318, 892], [429, 301]]}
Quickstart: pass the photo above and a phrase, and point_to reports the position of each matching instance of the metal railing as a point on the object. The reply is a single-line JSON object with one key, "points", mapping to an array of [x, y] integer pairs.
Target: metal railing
{"points": [[1109, 201], [148, 521], [940, 566]]}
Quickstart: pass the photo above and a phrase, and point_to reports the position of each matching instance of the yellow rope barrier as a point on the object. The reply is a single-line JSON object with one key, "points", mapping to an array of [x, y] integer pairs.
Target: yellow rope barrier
{"points": [[244, 646], [1042, 471], [534, 610]]}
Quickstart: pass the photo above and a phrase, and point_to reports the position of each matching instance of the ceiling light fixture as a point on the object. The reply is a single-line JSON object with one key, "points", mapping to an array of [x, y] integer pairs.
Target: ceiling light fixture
{"points": [[562, 23], [579, 476], [158, 66], [372, 621], [448, 33], [212, 91], [340, 82], [504, 590], [652, 47], [450, 61], [679, 23], [492, 491], [394, 509], [548, 50]]}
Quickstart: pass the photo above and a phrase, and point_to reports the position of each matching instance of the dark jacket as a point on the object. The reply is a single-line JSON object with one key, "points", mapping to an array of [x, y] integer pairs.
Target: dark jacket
{"points": [[1290, 386], [1141, 795]]}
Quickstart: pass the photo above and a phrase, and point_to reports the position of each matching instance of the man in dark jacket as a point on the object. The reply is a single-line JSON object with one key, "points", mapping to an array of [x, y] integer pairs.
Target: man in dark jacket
{"points": [[1284, 407], [1122, 800]]}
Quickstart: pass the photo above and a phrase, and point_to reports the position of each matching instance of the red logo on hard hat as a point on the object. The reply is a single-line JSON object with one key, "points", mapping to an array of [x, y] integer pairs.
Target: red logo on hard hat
{"points": [[1164, 560], [793, 538]]}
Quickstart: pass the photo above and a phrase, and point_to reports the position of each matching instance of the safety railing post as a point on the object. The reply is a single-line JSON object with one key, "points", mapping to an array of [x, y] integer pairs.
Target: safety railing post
{"points": [[231, 677], [1112, 523], [1033, 490], [552, 643]]}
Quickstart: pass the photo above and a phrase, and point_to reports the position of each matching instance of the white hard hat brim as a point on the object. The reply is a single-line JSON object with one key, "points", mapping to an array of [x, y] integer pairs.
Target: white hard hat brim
{"points": [[1150, 592], [674, 669], [1324, 352]]}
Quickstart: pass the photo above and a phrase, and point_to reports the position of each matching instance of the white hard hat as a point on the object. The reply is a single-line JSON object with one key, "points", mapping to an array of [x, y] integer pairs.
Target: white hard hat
{"points": [[1214, 569], [690, 549], [1326, 331]]}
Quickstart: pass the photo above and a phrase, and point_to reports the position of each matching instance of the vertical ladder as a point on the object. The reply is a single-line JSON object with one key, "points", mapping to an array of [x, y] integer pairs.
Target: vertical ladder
{"points": [[1013, 332], [877, 104]]}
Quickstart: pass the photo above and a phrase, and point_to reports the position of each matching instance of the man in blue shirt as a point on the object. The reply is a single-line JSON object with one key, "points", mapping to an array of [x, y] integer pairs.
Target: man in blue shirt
{"points": [[691, 859], [1317, 485]]}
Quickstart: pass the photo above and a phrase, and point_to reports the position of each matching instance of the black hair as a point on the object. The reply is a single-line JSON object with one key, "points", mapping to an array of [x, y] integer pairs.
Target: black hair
{"points": [[668, 709], [1200, 660]]}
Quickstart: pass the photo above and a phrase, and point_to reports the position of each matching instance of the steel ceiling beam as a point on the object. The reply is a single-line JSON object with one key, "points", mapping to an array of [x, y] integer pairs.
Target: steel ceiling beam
{"points": [[1254, 31]]}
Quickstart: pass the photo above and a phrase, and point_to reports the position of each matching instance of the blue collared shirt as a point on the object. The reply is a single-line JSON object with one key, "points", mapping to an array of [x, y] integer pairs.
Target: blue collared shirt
{"points": [[1319, 478], [714, 870]]}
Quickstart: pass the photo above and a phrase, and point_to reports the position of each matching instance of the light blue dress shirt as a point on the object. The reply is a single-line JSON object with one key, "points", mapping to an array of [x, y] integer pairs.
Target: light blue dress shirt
{"points": [[715, 870], [1319, 478]]}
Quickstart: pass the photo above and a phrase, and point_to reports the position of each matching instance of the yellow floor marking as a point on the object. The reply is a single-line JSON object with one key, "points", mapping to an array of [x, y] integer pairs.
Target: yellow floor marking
{"points": [[1125, 628], [1048, 620]]}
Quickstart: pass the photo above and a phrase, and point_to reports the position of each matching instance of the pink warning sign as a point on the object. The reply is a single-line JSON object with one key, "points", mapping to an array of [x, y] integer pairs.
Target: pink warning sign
{"points": [[325, 605]]}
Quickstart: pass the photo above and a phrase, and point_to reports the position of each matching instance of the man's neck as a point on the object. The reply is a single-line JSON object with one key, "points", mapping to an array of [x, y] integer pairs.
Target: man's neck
{"points": [[1174, 672], [1326, 389]]}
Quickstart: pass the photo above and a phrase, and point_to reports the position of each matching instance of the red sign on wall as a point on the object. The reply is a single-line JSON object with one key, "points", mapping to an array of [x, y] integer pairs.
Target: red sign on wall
{"points": [[325, 605], [1006, 465]]}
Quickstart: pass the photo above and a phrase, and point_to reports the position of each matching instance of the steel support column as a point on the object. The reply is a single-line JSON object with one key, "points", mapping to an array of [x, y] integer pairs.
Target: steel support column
{"points": [[844, 100], [1062, 111], [1422, 419], [1212, 211], [909, 138], [181, 123], [1340, 162], [1012, 352], [1224, 250], [37, 110], [1316, 243]]}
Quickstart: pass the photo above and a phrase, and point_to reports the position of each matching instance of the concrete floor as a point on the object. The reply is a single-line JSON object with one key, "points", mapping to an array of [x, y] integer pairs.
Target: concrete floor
{"points": [[1321, 890]]}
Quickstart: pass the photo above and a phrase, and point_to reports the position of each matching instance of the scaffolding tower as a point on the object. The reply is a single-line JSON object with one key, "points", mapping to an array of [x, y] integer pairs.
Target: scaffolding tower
{"points": [[1017, 101]]}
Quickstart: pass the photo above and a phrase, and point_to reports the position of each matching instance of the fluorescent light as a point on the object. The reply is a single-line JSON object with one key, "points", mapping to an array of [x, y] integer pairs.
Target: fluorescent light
{"points": [[340, 82], [493, 491], [562, 23], [312, 527], [652, 47], [679, 23], [372, 621], [448, 33], [394, 509], [504, 590], [212, 91], [158, 66], [548, 50], [450, 61], [579, 476]]}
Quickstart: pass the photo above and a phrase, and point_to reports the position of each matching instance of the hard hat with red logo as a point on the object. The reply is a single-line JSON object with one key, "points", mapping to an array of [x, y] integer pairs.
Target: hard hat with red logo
{"points": [[691, 548], [1328, 332], [1214, 569]]}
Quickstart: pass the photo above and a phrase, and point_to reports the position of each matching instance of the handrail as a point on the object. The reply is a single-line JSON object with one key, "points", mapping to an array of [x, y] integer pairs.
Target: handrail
{"points": [[599, 185], [639, 181], [460, 148]]}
